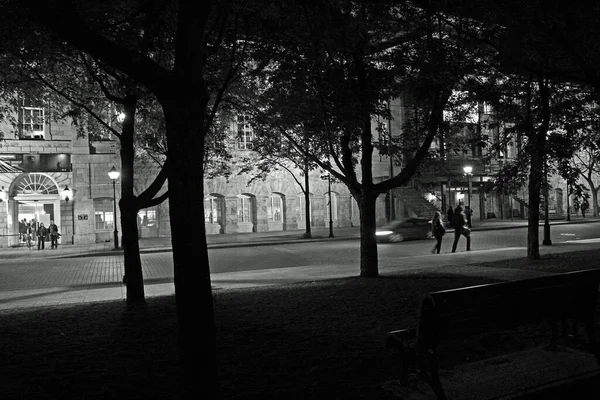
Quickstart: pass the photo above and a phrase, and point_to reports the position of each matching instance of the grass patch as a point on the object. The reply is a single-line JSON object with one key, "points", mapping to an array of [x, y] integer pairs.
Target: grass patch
{"points": [[319, 340]]}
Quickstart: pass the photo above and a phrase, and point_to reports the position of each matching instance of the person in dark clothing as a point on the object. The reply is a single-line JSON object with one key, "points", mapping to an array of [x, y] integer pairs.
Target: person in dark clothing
{"points": [[460, 228], [468, 214], [53, 231], [584, 207], [23, 230], [41, 234], [450, 215], [437, 231]]}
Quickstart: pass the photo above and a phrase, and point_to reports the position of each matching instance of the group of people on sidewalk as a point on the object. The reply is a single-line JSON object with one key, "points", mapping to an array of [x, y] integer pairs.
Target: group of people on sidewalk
{"points": [[32, 229], [457, 218]]}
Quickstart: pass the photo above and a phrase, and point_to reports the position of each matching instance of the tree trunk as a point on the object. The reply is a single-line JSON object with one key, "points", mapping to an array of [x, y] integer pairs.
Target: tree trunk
{"points": [[308, 233], [533, 223], [131, 248], [537, 147], [369, 262], [184, 108], [594, 191]]}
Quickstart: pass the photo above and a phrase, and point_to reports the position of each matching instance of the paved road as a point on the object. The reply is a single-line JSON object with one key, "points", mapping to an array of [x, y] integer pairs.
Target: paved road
{"points": [[158, 267], [52, 281]]}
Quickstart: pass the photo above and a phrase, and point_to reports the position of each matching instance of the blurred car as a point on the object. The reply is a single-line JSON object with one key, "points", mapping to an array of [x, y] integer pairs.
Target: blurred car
{"points": [[406, 229]]}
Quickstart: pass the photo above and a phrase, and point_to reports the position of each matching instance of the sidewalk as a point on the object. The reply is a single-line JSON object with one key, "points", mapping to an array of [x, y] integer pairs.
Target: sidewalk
{"points": [[244, 239], [462, 263]]}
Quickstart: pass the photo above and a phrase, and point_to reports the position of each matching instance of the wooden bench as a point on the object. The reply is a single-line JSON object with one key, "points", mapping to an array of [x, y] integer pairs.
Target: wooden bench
{"points": [[462, 314]]}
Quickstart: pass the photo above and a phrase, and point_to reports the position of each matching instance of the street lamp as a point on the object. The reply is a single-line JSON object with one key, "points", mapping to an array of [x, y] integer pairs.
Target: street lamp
{"points": [[330, 213], [568, 205], [546, 241], [113, 174], [67, 194]]}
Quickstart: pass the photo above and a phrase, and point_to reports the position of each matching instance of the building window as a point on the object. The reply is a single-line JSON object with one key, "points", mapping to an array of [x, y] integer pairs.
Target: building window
{"points": [[301, 210], [32, 120], [212, 210], [104, 217], [487, 108], [244, 208], [275, 208], [244, 133], [147, 217]]}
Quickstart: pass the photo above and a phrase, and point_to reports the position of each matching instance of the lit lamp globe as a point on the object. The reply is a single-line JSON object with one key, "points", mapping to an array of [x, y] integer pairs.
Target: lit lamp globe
{"points": [[468, 169], [113, 173], [67, 194]]}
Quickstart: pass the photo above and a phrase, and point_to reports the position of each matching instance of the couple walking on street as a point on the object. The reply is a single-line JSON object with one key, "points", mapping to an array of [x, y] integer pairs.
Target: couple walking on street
{"points": [[461, 224]]}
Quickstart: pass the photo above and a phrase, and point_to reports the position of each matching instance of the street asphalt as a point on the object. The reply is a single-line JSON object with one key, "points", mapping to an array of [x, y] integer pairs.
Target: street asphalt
{"points": [[462, 263]]}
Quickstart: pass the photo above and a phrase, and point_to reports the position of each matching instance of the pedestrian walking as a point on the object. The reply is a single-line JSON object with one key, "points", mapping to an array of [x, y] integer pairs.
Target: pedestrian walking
{"points": [[437, 231], [23, 230], [460, 228], [31, 233], [584, 207], [468, 214], [450, 215], [41, 234], [53, 231]]}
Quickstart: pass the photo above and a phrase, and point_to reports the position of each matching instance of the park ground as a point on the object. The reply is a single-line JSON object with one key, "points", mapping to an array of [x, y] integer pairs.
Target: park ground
{"points": [[312, 340]]}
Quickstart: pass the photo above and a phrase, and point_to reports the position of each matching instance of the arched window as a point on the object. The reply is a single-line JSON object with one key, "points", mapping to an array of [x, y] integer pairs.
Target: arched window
{"points": [[244, 208], [213, 209], [34, 183], [275, 208]]}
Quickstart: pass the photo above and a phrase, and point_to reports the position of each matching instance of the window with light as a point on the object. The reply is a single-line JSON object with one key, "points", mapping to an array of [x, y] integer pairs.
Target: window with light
{"points": [[275, 208], [212, 210], [244, 208], [32, 121], [147, 217], [244, 133], [104, 217]]}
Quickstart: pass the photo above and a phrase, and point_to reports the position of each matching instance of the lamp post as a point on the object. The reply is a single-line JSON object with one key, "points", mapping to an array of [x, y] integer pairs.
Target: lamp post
{"points": [[330, 213], [113, 174], [468, 172], [67, 194], [568, 206], [546, 241]]}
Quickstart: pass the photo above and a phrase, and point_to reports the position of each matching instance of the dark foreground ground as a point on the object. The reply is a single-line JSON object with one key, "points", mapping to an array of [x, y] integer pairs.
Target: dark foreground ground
{"points": [[321, 340]]}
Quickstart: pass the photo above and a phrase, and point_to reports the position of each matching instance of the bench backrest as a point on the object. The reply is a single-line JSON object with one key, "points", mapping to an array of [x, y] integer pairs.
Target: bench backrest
{"points": [[477, 309]]}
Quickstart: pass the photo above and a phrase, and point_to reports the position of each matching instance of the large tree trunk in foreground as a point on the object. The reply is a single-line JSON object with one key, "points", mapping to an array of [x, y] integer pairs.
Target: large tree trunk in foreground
{"points": [[127, 205], [369, 262], [193, 292]]}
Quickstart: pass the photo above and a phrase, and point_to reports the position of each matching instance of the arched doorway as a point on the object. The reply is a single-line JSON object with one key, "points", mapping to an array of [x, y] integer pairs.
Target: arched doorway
{"points": [[35, 196]]}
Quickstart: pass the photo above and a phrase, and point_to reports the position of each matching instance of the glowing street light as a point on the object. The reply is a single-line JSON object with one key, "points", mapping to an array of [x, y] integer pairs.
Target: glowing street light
{"points": [[113, 174]]}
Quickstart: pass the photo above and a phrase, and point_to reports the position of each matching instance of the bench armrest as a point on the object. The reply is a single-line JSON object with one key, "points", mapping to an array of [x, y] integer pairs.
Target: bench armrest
{"points": [[395, 339]]}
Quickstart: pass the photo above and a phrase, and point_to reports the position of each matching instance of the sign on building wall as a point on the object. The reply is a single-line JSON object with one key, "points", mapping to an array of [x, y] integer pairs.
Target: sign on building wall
{"points": [[82, 217], [60, 162]]}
